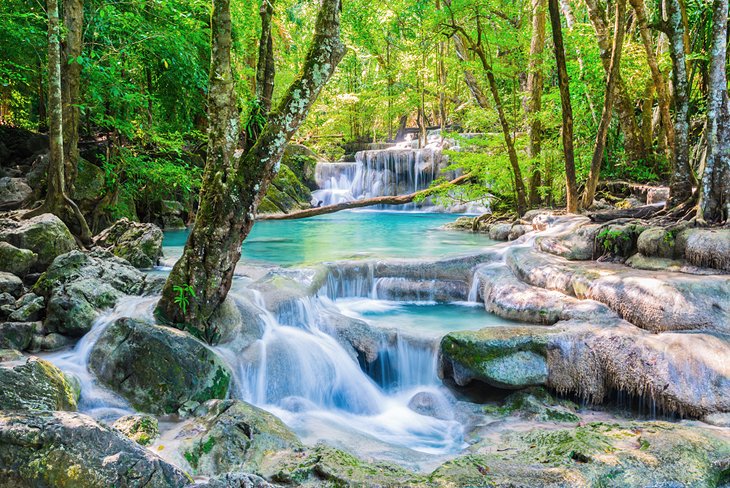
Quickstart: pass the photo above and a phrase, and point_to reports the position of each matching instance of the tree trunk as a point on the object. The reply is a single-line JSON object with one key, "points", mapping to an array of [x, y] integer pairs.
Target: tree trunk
{"points": [[660, 84], [715, 185], [682, 179], [57, 201], [233, 187], [567, 109], [635, 149], [613, 75], [73, 19], [265, 69], [534, 102]]}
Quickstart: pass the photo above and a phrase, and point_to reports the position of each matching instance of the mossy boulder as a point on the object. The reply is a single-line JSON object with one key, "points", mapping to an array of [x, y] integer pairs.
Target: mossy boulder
{"points": [[13, 192], [64, 449], [618, 240], [138, 243], [78, 286], [536, 404], [46, 235], [158, 369], [22, 336], [234, 480], [286, 193], [302, 161], [705, 247], [232, 435], [11, 284], [30, 383], [142, 429], [510, 358], [657, 242], [89, 185], [16, 260]]}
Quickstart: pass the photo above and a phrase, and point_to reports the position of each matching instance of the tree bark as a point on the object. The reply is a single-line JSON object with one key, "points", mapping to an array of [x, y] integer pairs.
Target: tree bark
{"points": [[73, 19], [682, 179], [233, 186], [613, 75], [660, 84], [571, 189], [714, 204], [265, 68], [534, 102], [57, 201], [365, 202], [635, 149]]}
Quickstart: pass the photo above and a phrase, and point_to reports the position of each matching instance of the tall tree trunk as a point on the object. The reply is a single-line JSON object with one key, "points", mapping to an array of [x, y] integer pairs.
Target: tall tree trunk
{"points": [[634, 143], [613, 76], [233, 187], [73, 19], [534, 102], [682, 179], [57, 201], [660, 84], [571, 187], [265, 69], [715, 185]]}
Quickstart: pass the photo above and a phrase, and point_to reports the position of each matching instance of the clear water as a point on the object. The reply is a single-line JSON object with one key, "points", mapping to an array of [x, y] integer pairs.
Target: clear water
{"points": [[345, 235]]}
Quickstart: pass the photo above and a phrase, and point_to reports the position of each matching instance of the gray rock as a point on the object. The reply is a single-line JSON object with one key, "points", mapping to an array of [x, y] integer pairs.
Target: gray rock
{"points": [[231, 435], [71, 449], [657, 194], [19, 335], [15, 260], [577, 244], [28, 308], [34, 384], [432, 405], [500, 232], [142, 429], [656, 242], [7, 299], [234, 480], [77, 286], [46, 235], [158, 369], [138, 243], [705, 247], [13, 192], [11, 284]]}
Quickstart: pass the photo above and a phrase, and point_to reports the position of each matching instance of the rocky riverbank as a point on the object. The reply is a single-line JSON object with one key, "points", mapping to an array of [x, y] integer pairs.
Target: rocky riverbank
{"points": [[585, 331]]}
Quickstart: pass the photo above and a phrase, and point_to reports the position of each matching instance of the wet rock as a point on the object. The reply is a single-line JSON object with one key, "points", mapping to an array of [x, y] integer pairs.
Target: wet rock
{"points": [[34, 384], [71, 449], [536, 404], [158, 369], [234, 480], [575, 245], [518, 230], [138, 243], [431, 404], [231, 435], [11, 284], [78, 286], [705, 247], [287, 193], [420, 290], [172, 212], [500, 232], [632, 455], [22, 336], [15, 260], [7, 299], [46, 235], [142, 429], [13, 193]]}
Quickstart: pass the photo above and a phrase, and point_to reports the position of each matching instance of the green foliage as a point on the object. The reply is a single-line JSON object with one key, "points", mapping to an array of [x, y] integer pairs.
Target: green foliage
{"points": [[184, 293]]}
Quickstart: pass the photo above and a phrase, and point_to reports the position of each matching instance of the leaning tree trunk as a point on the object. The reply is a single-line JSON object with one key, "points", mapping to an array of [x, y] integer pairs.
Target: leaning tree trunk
{"points": [[571, 189], [265, 68], [715, 185], [56, 201], [613, 75], [682, 179], [73, 19], [233, 187], [634, 143], [534, 102]]}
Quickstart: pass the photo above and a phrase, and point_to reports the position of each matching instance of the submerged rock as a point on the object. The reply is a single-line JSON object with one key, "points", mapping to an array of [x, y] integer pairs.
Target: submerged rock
{"points": [[46, 235], [78, 286], [138, 243], [142, 429], [71, 449], [231, 435], [158, 369], [30, 383]]}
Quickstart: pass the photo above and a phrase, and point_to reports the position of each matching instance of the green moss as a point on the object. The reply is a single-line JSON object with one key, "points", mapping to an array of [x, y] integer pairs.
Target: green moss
{"points": [[570, 445]]}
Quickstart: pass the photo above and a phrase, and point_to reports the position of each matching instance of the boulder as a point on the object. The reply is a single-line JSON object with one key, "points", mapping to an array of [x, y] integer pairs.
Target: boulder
{"points": [[536, 404], [46, 235], [29, 308], [142, 429], [708, 248], [13, 192], [656, 242], [658, 194], [22, 336], [431, 404], [231, 435], [518, 230], [500, 232], [575, 245], [234, 480], [78, 286], [618, 240], [71, 449], [172, 212], [10, 284], [158, 369], [15, 260], [138, 243], [89, 185], [30, 383]]}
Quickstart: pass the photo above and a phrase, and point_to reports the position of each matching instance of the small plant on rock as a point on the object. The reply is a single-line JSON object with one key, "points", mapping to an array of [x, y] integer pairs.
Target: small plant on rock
{"points": [[184, 292]]}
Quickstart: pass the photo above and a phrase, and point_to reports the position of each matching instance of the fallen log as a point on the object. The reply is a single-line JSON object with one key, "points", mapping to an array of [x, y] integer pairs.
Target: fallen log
{"points": [[365, 202], [643, 212]]}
